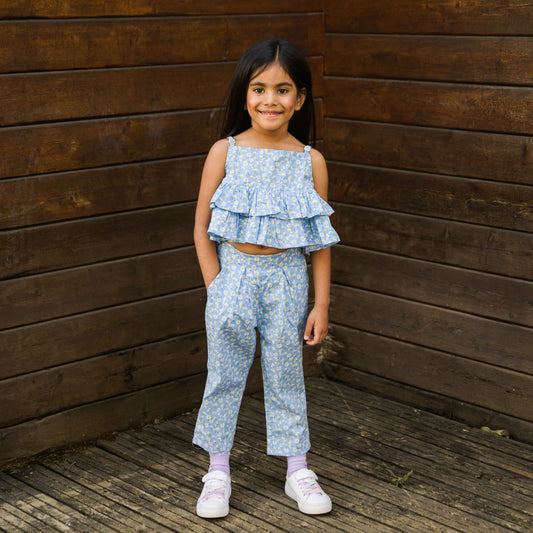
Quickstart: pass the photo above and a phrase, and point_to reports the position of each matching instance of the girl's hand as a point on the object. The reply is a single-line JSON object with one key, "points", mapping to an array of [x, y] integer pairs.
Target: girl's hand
{"points": [[316, 328]]}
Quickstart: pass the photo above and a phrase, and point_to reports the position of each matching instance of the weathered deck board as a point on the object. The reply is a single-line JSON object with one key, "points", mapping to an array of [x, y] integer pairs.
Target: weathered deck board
{"points": [[463, 479]]}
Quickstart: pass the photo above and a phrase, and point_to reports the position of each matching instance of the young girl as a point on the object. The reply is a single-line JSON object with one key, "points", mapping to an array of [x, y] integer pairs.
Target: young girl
{"points": [[261, 207]]}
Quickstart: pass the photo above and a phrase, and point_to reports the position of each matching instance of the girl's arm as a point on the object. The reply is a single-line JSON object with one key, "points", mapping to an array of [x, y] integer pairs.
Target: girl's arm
{"points": [[212, 175], [317, 321]]}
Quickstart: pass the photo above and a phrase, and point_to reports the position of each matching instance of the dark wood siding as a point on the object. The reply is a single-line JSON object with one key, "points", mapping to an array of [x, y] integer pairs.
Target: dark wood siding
{"points": [[429, 123], [108, 109]]}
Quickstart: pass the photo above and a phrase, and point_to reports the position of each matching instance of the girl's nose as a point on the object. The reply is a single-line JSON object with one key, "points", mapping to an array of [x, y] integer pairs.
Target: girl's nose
{"points": [[270, 97]]}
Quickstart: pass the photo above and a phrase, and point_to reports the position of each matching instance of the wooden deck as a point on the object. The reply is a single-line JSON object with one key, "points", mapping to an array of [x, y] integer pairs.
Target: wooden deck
{"points": [[450, 477]]}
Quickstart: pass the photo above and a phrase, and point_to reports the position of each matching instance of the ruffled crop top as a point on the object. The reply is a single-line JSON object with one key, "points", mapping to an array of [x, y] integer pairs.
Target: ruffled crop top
{"points": [[268, 197]]}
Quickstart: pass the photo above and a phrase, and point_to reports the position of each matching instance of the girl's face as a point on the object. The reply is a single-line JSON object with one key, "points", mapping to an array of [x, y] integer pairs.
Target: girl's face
{"points": [[272, 98]]}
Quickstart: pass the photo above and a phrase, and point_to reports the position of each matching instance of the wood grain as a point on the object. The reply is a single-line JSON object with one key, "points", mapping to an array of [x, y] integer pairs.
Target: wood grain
{"points": [[76, 145], [468, 246], [480, 155], [468, 291], [501, 205], [122, 327], [494, 60], [93, 420], [66, 292], [425, 401], [133, 409], [466, 107], [478, 17], [98, 43], [80, 242], [66, 95], [107, 376], [498, 389], [78, 194], [429, 139], [426, 326], [81, 382], [137, 8], [58, 147], [109, 110]]}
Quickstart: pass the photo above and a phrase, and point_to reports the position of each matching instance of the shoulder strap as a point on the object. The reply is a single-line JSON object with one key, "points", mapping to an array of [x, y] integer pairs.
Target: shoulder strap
{"points": [[307, 148], [231, 141]]}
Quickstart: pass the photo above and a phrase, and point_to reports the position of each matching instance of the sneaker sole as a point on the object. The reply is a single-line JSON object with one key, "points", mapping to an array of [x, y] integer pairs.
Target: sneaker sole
{"points": [[212, 514], [308, 509]]}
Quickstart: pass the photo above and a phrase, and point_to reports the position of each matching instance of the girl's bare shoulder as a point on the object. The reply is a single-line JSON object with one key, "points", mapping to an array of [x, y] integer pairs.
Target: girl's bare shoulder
{"points": [[220, 148], [320, 173], [215, 162], [317, 159]]}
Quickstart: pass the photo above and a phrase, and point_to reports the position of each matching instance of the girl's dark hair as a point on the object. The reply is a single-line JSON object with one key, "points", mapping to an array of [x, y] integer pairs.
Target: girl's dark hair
{"points": [[254, 61]]}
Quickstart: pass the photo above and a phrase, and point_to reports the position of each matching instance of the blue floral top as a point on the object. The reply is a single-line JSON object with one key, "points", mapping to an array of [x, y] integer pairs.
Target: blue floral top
{"points": [[268, 197]]}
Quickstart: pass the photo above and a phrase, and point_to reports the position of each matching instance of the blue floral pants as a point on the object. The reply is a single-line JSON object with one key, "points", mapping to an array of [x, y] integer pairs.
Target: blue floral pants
{"points": [[267, 293]]}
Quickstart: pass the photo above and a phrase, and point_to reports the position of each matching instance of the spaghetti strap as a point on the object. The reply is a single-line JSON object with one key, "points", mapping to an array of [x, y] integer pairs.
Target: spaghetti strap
{"points": [[307, 148], [231, 141]]}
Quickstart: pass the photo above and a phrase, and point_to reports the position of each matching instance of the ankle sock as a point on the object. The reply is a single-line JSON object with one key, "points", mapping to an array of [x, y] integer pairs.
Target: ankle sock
{"points": [[220, 462], [296, 463]]}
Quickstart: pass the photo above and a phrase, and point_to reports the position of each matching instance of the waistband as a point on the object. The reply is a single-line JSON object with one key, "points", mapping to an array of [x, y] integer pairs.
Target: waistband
{"points": [[290, 256]]}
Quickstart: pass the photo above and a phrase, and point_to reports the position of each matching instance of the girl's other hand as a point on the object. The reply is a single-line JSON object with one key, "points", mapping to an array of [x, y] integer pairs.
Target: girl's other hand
{"points": [[316, 328]]}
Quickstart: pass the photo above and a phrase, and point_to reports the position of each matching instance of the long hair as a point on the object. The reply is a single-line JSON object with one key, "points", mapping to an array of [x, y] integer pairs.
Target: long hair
{"points": [[254, 61]]}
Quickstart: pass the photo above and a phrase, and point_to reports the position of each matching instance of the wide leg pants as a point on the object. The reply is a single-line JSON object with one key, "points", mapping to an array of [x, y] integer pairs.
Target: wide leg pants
{"points": [[267, 293]]}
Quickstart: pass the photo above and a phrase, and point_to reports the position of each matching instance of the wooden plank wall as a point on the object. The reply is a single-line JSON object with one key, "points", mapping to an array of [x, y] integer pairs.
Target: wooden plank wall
{"points": [[108, 109], [429, 123]]}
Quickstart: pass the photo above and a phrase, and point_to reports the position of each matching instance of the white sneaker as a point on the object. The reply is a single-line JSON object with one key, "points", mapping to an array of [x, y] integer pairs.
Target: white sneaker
{"points": [[214, 500], [303, 487]]}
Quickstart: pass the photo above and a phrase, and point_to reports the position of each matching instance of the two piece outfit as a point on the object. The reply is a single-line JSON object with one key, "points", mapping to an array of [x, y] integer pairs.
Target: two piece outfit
{"points": [[267, 197]]}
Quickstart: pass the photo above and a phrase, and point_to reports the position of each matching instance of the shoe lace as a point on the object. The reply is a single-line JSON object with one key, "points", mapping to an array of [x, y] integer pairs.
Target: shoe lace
{"points": [[214, 489], [309, 486]]}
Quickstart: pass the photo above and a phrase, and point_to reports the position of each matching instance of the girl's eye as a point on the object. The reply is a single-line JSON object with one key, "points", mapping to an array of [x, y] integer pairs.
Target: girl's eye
{"points": [[283, 91], [258, 90]]}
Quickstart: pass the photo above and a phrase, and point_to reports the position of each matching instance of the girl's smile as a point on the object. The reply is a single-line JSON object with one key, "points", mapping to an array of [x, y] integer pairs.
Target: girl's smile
{"points": [[272, 99]]}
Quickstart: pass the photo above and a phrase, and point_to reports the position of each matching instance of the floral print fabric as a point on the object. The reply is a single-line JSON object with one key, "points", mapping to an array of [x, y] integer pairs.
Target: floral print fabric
{"points": [[267, 292], [268, 197]]}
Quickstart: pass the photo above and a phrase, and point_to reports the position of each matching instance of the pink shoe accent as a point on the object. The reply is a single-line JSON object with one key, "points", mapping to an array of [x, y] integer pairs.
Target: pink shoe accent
{"points": [[214, 500]]}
